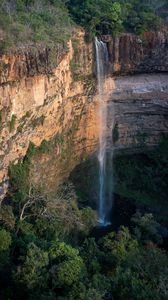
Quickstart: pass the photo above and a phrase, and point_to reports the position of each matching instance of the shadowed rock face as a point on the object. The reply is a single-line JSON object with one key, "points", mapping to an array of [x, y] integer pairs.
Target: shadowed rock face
{"points": [[139, 104], [133, 54]]}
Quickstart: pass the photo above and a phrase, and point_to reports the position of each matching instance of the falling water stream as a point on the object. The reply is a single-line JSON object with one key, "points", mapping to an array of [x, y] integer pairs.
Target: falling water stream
{"points": [[105, 178]]}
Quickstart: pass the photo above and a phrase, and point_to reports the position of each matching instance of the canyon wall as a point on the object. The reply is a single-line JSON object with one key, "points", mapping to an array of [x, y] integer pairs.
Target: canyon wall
{"points": [[48, 97]]}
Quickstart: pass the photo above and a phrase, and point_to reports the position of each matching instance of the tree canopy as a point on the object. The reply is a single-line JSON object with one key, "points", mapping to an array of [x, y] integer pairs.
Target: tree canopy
{"points": [[110, 16]]}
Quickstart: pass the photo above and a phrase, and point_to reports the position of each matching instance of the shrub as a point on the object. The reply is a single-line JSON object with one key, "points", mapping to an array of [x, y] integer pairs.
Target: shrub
{"points": [[32, 272], [12, 123]]}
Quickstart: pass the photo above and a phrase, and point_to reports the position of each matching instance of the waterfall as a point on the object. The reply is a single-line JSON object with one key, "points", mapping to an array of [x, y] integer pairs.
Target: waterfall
{"points": [[105, 178]]}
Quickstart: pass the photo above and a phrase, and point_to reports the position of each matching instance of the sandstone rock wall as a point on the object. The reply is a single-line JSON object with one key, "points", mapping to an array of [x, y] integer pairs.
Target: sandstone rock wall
{"points": [[37, 103]]}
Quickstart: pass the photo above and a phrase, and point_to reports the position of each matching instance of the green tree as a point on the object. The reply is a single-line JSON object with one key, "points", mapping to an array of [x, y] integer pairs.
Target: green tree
{"points": [[67, 265], [7, 216], [136, 272], [33, 272], [146, 228], [102, 16], [120, 246], [142, 277], [5, 244], [5, 240]]}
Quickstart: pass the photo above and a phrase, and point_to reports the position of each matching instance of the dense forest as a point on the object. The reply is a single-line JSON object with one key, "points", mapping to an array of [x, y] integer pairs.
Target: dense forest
{"points": [[48, 249], [48, 246]]}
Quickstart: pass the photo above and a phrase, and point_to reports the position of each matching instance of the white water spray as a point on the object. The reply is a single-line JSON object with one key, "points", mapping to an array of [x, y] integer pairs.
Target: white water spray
{"points": [[105, 194]]}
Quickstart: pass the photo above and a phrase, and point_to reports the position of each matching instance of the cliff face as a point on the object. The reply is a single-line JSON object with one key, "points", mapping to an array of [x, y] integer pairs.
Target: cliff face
{"points": [[137, 101], [50, 94], [133, 54], [39, 103], [30, 61]]}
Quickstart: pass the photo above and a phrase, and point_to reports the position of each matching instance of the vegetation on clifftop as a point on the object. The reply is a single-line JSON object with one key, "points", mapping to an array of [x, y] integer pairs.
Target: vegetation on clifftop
{"points": [[51, 21], [31, 21], [115, 16]]}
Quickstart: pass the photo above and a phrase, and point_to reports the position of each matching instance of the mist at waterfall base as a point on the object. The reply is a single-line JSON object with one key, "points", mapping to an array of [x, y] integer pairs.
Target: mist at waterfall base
{"points": [[105, 195]]}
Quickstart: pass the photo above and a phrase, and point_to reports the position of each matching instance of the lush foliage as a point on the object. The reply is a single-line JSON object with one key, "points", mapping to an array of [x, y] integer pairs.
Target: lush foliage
{"points": [[136, 267], [119, 265], [50, 21], [96, 16], [47, 252], [108, 16]]}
